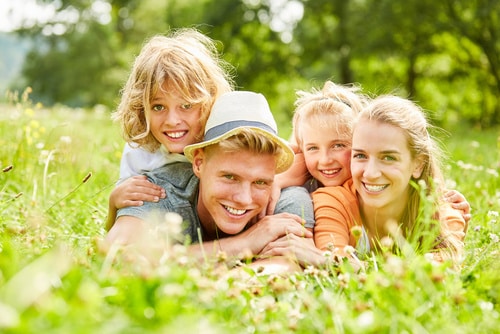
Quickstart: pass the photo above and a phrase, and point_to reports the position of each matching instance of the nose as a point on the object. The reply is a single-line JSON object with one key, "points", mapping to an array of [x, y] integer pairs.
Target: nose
{"points": [[172, 117], [324, 157], [243, 194], [371, 170]]}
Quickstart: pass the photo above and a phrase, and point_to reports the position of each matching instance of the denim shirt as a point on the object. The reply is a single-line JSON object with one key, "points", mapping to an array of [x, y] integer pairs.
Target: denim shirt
{"points": [[181, 186]]}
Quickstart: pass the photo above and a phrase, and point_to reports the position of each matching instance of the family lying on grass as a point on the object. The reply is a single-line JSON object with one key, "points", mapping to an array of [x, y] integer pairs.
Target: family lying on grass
{"points": [[213, 155]]}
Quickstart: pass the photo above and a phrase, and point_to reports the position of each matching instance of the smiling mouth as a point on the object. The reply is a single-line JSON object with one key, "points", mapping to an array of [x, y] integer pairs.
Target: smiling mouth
{"points": [[175, 135], [233, 211], [330, 172], [375, 188]]}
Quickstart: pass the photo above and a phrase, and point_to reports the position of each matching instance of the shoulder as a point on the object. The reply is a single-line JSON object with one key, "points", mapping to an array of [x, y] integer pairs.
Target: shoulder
{"points": [[178, 175], [296, 200], [137, 160], [345, 192]]}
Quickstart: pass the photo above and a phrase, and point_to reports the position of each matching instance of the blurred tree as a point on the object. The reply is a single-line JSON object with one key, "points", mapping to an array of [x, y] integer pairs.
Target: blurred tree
{"points": [[75, 59], [479, 22], [325, 39], [443, 54]]}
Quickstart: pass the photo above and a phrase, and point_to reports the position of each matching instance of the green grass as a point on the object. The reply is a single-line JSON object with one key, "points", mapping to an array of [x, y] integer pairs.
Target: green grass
{"points": [[53, 279]]}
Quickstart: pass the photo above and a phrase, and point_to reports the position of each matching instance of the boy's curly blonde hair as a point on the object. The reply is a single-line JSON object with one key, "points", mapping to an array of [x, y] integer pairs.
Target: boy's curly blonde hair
{"points": [[186, 61]]}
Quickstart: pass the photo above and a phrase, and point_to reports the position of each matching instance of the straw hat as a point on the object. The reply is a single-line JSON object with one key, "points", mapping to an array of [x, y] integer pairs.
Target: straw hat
{"points": [[236, 110]]}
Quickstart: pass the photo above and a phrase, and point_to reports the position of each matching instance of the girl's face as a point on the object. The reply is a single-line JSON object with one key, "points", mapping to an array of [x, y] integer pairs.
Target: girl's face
{"points": [[382, 166], [174, 122], [327, 154]]}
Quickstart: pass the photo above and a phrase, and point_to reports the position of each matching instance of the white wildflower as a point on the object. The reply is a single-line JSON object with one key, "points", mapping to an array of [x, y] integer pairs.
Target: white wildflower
{"points": [[492, 171], [494, 237], [486, 306], [366, 319], [492, 213], [65, 139]]}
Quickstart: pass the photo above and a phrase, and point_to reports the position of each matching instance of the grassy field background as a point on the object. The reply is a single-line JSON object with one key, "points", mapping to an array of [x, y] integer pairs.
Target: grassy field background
{"points": [[59, 166]]}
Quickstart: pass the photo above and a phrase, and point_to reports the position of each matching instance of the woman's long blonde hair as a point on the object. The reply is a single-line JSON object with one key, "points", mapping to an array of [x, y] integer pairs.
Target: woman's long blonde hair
{"points": [[408, 116]]}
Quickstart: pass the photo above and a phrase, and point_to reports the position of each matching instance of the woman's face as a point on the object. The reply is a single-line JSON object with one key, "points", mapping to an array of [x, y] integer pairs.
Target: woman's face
{"points": [[382, 165]]}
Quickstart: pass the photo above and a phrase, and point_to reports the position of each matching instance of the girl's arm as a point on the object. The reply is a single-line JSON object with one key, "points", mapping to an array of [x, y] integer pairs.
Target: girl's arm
{"points": [[134, 191], [459, 202], [296, 175]]}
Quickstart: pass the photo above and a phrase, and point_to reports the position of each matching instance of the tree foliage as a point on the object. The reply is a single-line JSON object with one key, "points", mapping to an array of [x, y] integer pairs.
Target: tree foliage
{"points": [[445, 55]]}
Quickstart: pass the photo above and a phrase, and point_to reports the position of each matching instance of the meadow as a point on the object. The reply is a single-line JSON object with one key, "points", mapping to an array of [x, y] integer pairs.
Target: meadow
{"points": [[58, 168]]}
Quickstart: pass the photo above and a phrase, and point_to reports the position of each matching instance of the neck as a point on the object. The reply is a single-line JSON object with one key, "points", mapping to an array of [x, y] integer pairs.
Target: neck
{"points": [[206, 221], [381, 221]]}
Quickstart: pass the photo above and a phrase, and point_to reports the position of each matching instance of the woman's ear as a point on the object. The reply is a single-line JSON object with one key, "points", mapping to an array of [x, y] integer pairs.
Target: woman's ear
{"points": [[198, 159], [419, 167]]}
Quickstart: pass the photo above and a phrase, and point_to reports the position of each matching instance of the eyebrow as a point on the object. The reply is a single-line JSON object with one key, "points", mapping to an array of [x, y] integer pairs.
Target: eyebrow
{"points": [[382, 152]]}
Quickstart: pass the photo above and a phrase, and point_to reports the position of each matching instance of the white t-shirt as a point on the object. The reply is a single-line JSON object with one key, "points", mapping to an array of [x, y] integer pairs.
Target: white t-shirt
{"points": [[136, 160]]}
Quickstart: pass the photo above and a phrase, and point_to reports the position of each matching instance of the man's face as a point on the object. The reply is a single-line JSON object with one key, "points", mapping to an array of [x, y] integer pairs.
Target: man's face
{"points": [[234, 187]]}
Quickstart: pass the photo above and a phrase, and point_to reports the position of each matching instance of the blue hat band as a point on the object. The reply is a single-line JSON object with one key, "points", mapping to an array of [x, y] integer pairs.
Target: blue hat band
{"points": [[222, 129]]}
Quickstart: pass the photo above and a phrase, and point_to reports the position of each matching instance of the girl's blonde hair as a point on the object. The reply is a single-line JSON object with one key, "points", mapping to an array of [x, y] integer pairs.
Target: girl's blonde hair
{"points": [[188, 63], [408, 116], [318, 106]]}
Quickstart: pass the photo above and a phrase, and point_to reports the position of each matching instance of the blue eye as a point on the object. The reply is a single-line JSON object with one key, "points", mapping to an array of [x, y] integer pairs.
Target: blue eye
{"points": [[339, 146], [312, 148], [158, 107], [359, 156]]}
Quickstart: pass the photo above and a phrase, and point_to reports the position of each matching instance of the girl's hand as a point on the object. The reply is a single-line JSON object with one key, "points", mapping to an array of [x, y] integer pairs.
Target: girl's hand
{"points": [[458, 202], [134, 191]]}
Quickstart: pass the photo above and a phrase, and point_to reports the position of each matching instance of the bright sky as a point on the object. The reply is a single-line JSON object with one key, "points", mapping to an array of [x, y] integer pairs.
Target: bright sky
{"points": [[13, 12]]}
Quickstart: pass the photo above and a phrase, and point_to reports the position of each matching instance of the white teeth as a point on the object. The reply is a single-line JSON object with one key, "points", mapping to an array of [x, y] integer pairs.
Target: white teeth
{"points": [[330, 171], [374, 188], [176, 134], [234, 211]]}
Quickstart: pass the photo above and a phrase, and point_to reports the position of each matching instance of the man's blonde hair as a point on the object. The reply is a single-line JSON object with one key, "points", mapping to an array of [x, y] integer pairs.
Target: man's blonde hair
{"points": [[186, 61], [248, 140]]}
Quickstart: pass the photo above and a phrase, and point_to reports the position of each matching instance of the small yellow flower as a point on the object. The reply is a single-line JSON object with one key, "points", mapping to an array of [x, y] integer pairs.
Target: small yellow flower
{"points": [[356, 231], [35, 124], [29, 112]]}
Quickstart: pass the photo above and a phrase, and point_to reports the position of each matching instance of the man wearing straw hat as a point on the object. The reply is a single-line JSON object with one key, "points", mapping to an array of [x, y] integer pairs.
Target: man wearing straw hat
{"points": [[227, 185]]}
